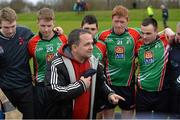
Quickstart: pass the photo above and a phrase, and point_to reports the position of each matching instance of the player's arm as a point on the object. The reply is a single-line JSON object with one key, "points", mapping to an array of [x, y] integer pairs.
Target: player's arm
{"points": [[10, 111], [169, 34]]}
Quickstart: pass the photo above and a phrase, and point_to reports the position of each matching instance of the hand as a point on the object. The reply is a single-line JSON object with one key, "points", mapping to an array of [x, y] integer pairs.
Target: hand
{"points": [[58, 30], [33, 78], [169, 34], [89, 72], [114, 98], [87, 81], [15, 114]]}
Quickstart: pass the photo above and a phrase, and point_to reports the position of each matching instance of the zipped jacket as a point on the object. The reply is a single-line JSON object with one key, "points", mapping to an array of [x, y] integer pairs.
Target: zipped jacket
{"points": [[63, 90]]}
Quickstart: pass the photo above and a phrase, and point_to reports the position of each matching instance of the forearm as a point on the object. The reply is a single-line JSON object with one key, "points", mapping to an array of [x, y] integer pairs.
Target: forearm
{"points": [[7, 105]]}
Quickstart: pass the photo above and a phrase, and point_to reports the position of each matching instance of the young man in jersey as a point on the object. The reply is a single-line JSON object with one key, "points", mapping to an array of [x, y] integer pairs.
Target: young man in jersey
{"points": [[153, 75], [90, 23], [15, 75], [70, 82], [175, 76], [120, 43], [42, 47]]}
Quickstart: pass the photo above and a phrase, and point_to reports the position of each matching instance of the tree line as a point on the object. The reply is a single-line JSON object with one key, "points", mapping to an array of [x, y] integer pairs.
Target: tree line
{"points": [[67, 5]]}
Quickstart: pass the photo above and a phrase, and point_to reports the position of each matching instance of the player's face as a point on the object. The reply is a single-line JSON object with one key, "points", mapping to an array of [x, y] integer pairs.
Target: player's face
{"points": [[178, 34], [84, 49], [119, 24], [149, 33], [46, 28], [8, 29], [91, 27]]}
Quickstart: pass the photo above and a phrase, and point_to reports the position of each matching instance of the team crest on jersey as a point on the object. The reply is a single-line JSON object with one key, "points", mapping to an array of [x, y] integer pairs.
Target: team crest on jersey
{"points": [[119, 52], [49, 57], [21, 40], [148, 57]]}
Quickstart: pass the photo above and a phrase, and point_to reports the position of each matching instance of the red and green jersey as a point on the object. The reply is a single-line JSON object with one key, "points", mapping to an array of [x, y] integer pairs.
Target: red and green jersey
{"points": [[42, 51], [99, 50], [120, 55], [152, 61]]}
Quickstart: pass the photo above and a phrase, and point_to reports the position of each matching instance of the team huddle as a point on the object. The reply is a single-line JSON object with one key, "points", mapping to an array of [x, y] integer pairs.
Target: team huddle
{"points": [[87, 74]]}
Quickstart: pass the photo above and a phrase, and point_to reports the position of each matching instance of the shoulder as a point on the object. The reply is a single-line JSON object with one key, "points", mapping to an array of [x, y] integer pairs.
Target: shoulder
{"points": [[104, 34], [24, 32], [134, 31], [23, 29], [163, 38], [100, 43], [63, 38], [35, 38]]}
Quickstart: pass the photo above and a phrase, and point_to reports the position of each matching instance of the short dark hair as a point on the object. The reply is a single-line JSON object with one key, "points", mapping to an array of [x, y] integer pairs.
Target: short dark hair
{"points": [[150, 21], [74, 36], [90, 19]]}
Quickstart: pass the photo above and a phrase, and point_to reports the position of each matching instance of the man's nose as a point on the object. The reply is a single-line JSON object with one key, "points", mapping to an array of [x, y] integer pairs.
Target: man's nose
{"points": [[10, 30], [144, 36], [91, 46]]}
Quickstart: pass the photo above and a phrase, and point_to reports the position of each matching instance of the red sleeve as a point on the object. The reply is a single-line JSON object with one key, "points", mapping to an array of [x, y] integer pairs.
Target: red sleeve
{"points": [[164, 39], [104, 35], [63, 38], [32, 45], [102, 47], [138, 45], [135, 34]]}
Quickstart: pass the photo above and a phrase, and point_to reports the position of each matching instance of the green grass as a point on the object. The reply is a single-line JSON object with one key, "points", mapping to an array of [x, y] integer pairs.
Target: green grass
{"points": [[71, 20]]}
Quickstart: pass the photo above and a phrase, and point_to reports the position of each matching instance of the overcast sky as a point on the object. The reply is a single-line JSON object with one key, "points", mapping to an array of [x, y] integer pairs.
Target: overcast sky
{"points": [[34, 1]]}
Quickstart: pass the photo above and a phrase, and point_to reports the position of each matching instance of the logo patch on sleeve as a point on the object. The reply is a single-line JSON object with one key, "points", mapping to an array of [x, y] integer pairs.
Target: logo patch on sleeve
{"points": [[148, 57], [119, 52]]}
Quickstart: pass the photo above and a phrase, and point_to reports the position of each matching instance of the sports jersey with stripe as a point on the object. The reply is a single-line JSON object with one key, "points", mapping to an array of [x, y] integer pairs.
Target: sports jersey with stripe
{"points": [[99, 50], [152, 61], [120, 55], [42, 51]]}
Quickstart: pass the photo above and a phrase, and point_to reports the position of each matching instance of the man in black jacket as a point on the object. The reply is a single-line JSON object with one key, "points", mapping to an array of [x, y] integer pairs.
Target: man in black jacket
{"points": [[73, 85], [175, 75]]}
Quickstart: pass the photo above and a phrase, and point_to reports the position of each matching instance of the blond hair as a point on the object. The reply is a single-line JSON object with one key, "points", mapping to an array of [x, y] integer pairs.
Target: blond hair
{"points": [[7, 14], [46, 13], [120, 11]]}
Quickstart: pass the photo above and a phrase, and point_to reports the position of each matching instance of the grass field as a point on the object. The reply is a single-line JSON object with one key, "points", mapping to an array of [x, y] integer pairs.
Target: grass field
{"points": [[71, 20]]}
